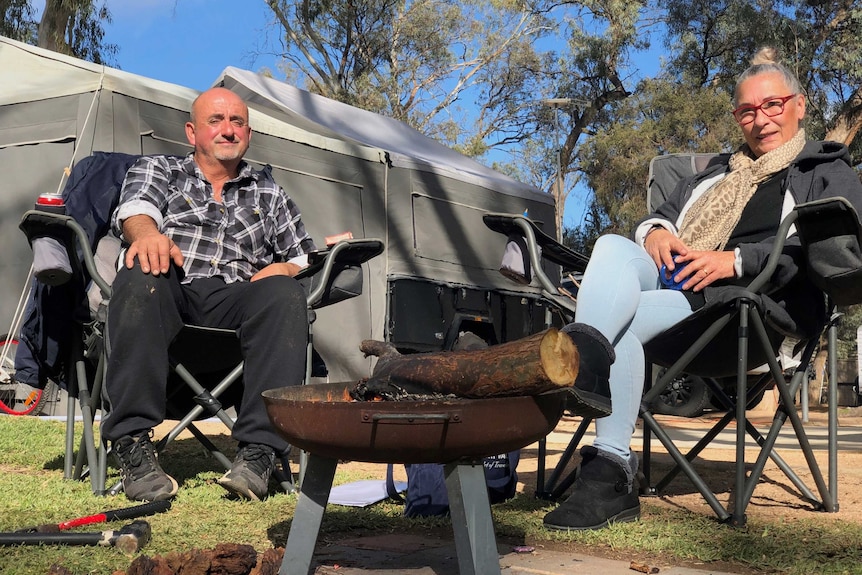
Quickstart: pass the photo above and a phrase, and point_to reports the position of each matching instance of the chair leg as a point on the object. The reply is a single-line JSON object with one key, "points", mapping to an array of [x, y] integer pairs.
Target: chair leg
{"points": [[70, 437], [205, 441], [787, 394], [686, 467], [557, 484], [719, 426], [284, 475], [832, 407], [737, 518], [89, 438]]}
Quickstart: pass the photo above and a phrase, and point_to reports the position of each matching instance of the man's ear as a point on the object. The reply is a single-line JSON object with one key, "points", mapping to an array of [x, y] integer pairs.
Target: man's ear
{"points": [[190, 133]]}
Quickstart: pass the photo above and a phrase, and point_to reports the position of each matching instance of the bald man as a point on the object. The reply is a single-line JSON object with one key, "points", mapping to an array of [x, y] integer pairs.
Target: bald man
{"points": [[209, 241]]}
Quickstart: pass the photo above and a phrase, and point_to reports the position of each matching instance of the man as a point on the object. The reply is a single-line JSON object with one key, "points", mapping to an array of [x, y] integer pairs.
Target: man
{"points": [[213, 242]]}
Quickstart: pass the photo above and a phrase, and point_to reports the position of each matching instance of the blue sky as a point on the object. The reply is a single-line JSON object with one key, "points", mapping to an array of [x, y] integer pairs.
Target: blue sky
{"points": [[187, 42]]}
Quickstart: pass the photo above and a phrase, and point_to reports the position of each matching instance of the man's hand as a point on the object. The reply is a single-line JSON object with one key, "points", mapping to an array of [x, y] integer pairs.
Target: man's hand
{"points": [[277, 269], [154, 250]]}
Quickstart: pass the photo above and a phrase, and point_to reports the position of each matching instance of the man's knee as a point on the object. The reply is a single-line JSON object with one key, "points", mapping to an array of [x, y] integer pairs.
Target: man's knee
{"points": [[279, 294], [136, 294]]}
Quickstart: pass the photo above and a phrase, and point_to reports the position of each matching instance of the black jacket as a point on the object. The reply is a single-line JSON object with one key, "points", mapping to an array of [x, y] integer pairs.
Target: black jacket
{"points": [[822, 169]]}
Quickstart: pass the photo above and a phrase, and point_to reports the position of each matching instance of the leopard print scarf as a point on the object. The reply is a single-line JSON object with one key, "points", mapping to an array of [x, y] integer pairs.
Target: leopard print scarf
{"points": [[712, 217]]}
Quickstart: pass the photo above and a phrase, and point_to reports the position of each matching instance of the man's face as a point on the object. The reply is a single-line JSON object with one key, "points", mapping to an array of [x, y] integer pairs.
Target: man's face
{"points": [[219, 128], [764, 133]]}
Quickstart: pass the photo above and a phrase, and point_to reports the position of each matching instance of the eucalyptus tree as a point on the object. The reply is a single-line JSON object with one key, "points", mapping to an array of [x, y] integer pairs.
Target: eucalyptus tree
{"points": [[454, 70], [660, 118], [591, 75], [17, 20], [686, 108], [712, 41], [72, 27]]}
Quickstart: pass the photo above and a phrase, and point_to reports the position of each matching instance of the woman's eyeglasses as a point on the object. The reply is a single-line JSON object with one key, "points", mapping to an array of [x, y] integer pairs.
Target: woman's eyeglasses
{"points": [[772, 107]]}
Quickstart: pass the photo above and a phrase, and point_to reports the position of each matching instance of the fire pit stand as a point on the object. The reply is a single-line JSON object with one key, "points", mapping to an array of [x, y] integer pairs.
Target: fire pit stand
{"points": [[475, 541], [322, 421]]}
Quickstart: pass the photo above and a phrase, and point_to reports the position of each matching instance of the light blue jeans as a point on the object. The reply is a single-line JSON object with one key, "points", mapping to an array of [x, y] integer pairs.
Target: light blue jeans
{"points": [[620, 297]]}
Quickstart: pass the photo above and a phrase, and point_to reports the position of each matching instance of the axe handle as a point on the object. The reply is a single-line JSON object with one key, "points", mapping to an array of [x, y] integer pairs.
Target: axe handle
{"points": [[52, 538], [110, 515], [118, 514]]}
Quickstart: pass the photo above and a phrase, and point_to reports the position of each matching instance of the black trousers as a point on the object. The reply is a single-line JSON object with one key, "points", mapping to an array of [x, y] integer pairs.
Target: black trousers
{"points": [[146, 313]]}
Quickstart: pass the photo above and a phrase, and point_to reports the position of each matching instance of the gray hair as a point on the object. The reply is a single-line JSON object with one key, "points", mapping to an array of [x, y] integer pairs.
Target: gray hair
{"points": [[765, 61]]}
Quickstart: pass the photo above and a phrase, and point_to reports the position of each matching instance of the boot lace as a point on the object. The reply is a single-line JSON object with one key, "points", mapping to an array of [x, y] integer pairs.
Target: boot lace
{"points": [[140, 458], [258, 458]]}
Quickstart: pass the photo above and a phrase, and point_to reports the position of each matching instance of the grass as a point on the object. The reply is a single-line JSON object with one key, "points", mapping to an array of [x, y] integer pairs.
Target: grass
{"points": [[34, 492]]}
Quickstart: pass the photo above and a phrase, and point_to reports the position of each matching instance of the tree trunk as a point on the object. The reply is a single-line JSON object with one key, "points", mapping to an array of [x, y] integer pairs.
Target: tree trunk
{"points": [[528, 366], [53, 26], [848, 121]]}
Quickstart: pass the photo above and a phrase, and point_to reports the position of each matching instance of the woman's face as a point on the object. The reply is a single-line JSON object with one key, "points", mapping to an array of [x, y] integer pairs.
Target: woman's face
{"points": [[764, 133]]}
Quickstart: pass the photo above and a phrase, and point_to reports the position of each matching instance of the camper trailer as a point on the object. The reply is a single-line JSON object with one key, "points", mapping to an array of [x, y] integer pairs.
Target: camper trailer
{"points": [[349, 170]]}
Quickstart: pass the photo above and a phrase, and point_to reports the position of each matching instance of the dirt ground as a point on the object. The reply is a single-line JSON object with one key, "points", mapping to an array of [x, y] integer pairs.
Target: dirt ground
{"points": [[774, 497]]}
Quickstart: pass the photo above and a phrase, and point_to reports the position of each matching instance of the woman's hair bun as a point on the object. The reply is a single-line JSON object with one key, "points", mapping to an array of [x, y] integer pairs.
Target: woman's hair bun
{"points": [[765, 55]]}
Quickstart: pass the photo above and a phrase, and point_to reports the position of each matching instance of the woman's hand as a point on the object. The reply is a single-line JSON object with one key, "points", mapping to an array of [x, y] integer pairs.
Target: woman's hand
{"points": [[704, 268], [662, 246]]}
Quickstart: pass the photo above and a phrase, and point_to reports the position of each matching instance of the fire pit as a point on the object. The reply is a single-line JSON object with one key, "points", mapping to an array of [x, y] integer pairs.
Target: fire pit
{"points": [[322, 420]]}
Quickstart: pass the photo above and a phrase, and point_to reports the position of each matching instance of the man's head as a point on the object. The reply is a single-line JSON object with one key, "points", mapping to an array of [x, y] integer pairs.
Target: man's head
{"points": [[219, 128]]}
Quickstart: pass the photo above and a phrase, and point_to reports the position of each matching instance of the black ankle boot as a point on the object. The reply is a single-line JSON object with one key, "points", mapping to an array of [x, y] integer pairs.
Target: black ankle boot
{"points": [[604, 493], [591, 393]]}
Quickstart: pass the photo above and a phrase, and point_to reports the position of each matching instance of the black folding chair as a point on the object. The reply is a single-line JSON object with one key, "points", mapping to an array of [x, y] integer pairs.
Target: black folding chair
{"points": [[731, 337], [205, 362]]}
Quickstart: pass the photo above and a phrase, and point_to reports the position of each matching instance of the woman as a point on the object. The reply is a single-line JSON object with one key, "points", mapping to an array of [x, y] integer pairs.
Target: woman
{"points": [[716, 229]]}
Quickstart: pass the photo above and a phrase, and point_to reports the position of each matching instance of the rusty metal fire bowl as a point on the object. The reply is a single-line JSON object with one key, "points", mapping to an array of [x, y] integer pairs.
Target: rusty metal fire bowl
{"points": [[323, 420]]}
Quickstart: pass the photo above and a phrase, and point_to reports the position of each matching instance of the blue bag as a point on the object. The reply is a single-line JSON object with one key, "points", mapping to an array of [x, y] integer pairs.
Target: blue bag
{"points": [[426, 485]]}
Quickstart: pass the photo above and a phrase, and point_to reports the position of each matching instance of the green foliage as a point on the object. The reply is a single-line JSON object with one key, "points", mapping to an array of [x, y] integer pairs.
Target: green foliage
{"points": [[660, 118], [850, 322], [712, 41], [17, 20], [413, 60], [72, 27]]}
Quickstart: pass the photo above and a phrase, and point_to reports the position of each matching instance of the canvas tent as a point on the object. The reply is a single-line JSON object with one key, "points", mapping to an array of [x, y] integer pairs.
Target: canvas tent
{"points": [[348, 170]]}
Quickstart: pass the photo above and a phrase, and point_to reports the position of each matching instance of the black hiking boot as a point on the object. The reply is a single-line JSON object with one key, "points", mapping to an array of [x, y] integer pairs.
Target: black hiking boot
{"points": [[249, 475], [591, 393], [143, 478], [604, 493]]}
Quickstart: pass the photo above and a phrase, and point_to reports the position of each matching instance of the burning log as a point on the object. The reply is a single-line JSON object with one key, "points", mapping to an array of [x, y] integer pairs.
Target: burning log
{"points": [[528, 366]]}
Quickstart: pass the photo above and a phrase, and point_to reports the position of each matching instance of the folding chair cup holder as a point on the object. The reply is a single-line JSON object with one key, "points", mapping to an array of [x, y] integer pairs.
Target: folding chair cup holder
{"points": [[335, 274], [730, 338]]}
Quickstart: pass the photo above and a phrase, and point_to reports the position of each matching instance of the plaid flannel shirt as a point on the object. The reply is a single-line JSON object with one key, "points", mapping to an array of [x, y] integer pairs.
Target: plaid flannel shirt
{"points": [[256, 223]]}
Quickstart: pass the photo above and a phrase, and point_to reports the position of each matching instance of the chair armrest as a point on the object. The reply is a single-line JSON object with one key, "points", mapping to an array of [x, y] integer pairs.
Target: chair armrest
{"points": [[551, 249], [325, 263], [64, 229], [540, 246], [831, 237]]}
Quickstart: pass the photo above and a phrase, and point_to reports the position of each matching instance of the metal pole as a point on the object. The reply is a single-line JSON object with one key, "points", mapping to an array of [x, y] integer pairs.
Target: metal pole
{"points": [[557, 189]]}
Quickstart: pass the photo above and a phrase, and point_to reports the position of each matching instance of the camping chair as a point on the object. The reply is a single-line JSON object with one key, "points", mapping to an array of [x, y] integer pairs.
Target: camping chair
{"points": [[721, 348], [201, 380]]}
